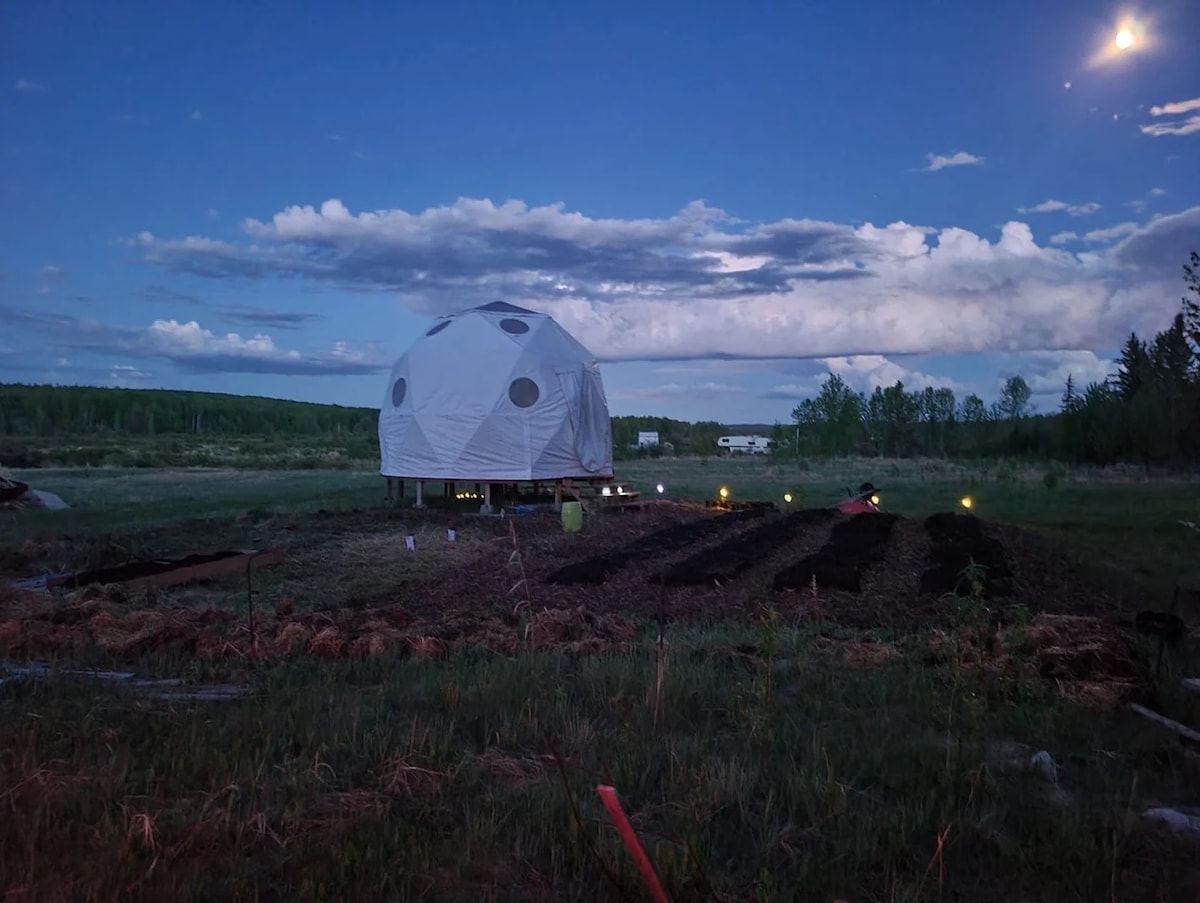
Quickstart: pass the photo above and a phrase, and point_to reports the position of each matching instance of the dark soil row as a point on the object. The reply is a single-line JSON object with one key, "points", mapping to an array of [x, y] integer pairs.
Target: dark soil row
{"points": [[958, 541], [734, 556], [854, 546], [595, 570]]}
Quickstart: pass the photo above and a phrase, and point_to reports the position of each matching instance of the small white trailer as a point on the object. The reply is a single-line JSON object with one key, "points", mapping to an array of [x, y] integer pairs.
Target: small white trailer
{"points": [[745, 445]]}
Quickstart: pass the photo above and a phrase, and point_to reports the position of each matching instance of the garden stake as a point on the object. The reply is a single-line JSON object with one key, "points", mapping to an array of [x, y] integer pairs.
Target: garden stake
{"points": [[608, 795]]}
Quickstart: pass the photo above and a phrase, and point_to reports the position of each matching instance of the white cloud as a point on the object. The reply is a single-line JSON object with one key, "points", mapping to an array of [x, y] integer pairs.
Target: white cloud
{"points": [[867, 372], [1140, 204], [24, 84], [193, 347], [1111, 232], [1063, 238], [213, 213], [1046, 372], [195, 116], [701, 284], [1188, 125], [1053, 206], [127, 376], [958, 158], [1176, 109]]}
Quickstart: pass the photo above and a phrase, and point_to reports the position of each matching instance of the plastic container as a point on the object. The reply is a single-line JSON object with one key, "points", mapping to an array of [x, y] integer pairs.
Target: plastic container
{"points": [[572, 517]]}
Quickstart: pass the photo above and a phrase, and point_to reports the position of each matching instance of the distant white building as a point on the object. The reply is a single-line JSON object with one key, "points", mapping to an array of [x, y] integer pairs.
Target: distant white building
{"points": [[647, 439], [745, 445]]}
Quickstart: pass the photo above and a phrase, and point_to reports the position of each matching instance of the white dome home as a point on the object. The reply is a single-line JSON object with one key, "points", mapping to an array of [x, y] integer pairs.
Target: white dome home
{"points": [[495, 394]]}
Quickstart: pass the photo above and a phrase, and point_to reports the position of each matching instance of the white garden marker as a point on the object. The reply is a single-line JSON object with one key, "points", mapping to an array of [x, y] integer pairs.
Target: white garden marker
{"points": [[411, 542], [451, 535]]}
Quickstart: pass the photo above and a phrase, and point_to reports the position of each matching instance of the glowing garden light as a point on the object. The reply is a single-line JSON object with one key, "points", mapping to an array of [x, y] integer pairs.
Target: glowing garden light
{"points": [[723, 492], [660, 488], [967, 502], [787, 497]]}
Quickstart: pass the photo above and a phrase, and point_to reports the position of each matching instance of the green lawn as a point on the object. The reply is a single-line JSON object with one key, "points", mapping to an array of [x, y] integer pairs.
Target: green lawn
{"points": [[759, 763]]}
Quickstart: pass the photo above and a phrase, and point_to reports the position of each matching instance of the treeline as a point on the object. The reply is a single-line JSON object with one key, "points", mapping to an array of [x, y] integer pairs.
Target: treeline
{"points": [[78, 411], [86, 410], [1148, 412]]}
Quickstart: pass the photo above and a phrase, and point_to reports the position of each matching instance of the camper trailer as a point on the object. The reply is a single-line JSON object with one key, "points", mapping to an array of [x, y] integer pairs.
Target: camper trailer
{"points": [[745, 445]]}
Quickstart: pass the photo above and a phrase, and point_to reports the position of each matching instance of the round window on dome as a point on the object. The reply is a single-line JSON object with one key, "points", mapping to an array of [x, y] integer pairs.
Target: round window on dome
{"points": [[523, 392], [399, 390], [437, 327], [513, 326]]}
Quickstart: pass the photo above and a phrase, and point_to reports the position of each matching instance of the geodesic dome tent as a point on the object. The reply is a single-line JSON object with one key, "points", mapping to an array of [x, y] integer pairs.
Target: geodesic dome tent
{"points": [[495, 394]]}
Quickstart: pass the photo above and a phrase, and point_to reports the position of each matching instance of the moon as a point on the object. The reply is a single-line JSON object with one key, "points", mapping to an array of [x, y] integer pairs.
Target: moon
{"points": [[1124, 39]]}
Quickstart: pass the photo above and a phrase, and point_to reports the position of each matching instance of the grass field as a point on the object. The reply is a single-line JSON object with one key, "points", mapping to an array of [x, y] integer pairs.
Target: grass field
{"points": [[411, 729]]}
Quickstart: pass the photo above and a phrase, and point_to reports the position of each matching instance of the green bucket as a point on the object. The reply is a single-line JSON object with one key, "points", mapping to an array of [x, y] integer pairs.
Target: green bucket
{"points": [[572, 517]]}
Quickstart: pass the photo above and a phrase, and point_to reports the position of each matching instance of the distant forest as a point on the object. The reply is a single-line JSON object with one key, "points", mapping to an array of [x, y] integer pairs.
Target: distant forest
{"points": [[1148, 413]]}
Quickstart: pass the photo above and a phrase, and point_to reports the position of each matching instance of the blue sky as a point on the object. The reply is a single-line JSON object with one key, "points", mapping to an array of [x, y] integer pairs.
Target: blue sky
{"points": [[724, 202]]}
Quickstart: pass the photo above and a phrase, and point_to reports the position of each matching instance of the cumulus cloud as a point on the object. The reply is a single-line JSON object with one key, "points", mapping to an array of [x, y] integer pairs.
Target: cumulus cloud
{"points": [[1188, 125], [1063, 238], [1053, 206], [703, 284], [867, 372], [191, 347], [959, 158], [1046, 372], [862, 373]]}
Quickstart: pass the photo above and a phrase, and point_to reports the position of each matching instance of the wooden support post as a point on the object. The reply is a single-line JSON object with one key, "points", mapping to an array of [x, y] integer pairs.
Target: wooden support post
{"points": [[558, 493], [389, 488], [486, 508], [420, 494]]}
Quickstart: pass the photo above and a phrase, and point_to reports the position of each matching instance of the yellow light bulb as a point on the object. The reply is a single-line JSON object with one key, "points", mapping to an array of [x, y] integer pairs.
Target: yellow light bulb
{"points": [[787, 497], [724, 493], [967, 501]]}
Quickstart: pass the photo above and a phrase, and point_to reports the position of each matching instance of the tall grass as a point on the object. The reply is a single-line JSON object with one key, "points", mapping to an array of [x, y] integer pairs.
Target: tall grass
{"points": [[393, 779]]}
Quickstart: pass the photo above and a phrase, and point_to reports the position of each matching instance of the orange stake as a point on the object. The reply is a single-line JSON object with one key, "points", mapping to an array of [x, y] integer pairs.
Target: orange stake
{"points": [[608, 796]]}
